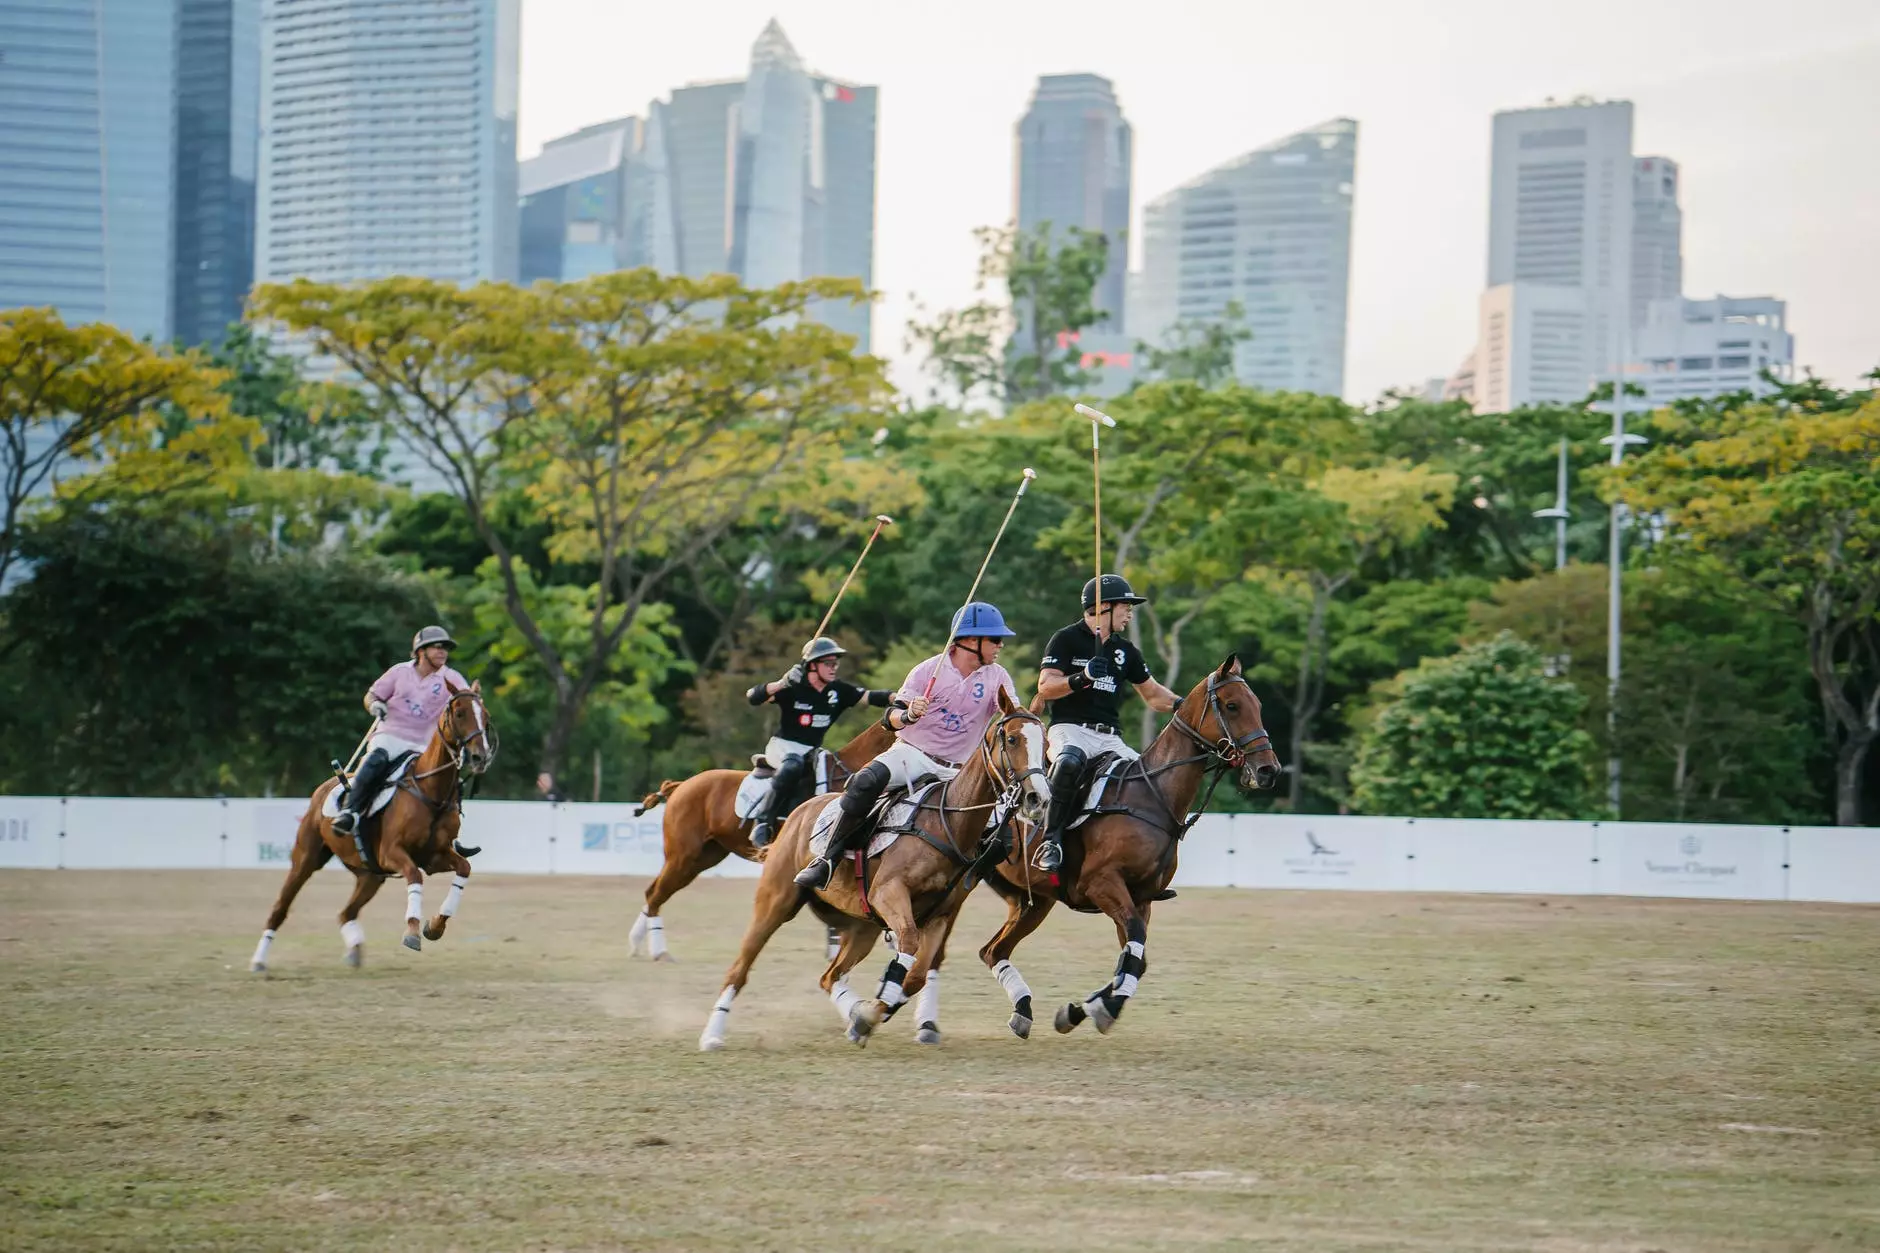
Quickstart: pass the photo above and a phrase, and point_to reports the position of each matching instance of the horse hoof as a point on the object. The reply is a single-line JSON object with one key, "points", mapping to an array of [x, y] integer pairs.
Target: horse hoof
{"points": [[711, 1044], [355, 955], [1101, 1017], [1021, 1026], [863, 1020], [929, 1033], [433, 934], [858, 1034], [413, 943], [1064, 1023], [258, 967], [663, 957]]}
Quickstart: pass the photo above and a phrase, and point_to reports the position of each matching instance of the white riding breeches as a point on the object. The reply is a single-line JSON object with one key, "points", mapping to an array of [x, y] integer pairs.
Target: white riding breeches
{"points": [[906, 763], [1092, 742], [393, 745], [779, 748]]}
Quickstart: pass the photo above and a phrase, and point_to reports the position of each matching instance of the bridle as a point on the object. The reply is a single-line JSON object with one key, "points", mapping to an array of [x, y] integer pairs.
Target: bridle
{"points": [[1230, 751], [460, 749], [1007, 779]]}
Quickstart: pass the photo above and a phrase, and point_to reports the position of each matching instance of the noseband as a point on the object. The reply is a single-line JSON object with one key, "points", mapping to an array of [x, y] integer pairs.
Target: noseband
{"points": [[1006, 777], [460, 749], [1229, 752]]}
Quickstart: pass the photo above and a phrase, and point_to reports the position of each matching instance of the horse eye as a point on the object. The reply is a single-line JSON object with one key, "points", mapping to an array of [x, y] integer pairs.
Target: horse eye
{"points": [[1233, 707]]}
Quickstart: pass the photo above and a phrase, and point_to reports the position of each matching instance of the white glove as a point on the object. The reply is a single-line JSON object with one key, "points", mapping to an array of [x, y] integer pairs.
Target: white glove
{"points": [[378, 710]]}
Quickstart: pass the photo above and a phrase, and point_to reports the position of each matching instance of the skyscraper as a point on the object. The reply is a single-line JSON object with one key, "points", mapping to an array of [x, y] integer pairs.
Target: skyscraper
{"points": [[577, 202], [1657, 235], [1270, 230], [1560, 238], [1074, 166], [770, 178], [388, 140], [218, 116], [87, 160]]}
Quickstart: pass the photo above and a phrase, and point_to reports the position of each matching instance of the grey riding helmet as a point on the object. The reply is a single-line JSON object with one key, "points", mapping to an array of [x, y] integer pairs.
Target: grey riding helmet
{"points": [[822, 647], [431, 635]]}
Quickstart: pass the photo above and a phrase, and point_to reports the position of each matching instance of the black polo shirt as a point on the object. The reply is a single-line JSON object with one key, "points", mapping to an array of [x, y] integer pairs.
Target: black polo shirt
{"points": [[1102, 703], [805, 713]]}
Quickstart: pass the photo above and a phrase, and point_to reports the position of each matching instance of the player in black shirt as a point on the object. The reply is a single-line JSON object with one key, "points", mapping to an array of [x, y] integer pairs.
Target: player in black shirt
{"points": [[808, 698], [1084, 682]]}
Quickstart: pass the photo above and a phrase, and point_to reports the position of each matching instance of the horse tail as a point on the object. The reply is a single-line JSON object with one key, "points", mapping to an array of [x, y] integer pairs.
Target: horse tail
{"points": [[663, 795]]}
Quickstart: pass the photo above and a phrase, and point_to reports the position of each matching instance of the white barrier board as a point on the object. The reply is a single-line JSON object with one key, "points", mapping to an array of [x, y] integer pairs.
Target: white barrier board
{"points": [[1222, 850]]}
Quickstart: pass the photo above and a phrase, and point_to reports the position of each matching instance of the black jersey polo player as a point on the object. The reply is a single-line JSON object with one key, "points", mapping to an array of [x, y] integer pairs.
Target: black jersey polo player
{"points": [[1082, 674], [809, 698]]}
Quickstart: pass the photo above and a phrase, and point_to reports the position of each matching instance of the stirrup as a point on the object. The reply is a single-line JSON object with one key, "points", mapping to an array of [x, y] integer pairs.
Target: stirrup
{"points": [[346, 822], [817, 874], [1049, 857], [762, 834]]}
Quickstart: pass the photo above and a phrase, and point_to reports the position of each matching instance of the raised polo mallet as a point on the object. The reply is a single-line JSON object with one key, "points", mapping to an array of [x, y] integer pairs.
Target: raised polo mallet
{"points": [[881, 520], [1098, 420], [1023, 483]]}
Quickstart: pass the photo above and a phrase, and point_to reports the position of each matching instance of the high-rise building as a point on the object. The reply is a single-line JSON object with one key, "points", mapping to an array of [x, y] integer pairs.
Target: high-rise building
{"points": [[1698, 348], [577, 201], [88, 160], [1270, 231], [770, 178], [388, 140], [218, 116], [1074, 166], [1560, 239], [1657, 235]]}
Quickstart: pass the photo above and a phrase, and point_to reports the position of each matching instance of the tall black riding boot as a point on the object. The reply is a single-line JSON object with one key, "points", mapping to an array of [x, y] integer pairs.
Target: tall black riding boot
{"points": [[780, 802], [1066, 776], [857, 802], [365, 785]]}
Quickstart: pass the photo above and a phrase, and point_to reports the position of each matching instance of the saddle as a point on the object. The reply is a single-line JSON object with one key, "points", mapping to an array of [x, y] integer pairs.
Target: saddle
{"points": [[755, 786], [891, 818], [401, 766], [1094, 781]]}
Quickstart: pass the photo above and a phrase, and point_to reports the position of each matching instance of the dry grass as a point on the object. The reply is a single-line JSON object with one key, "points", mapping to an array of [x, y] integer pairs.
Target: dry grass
{"points": [[1301, 1071]]}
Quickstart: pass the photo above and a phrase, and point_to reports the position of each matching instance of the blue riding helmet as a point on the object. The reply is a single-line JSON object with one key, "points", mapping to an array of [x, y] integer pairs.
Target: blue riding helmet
{"points": [[979, 620]]}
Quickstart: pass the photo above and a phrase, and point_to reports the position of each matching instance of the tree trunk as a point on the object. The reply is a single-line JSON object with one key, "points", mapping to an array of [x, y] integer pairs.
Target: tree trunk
{"points": [[1310, 688], [1850, 771]]}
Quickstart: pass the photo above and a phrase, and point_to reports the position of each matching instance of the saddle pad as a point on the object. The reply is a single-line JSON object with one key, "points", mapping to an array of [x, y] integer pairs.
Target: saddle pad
{"points": [[400, 769], [893, 816], [1107, 766], [755, 786]]}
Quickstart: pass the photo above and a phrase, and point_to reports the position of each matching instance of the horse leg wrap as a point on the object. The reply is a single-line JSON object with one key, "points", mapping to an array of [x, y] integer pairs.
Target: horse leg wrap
{"points": [[890, 993], [1019, 992], [713, 1037], [414, 902], [352, 933], [927, 1010], [656, 938], [636, 937], [1129, 968], [844, 998], [454, 897], [261, 950], [833, 942]]}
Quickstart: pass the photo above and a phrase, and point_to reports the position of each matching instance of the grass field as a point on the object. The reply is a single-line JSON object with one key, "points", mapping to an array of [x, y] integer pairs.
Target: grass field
{"points": [[1300, 1071]]}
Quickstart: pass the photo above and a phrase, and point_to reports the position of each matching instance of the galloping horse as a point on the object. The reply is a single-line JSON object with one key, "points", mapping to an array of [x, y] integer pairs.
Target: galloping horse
{"points": [[703, 827], [916, 884], [1125, 856], [417, 832]]}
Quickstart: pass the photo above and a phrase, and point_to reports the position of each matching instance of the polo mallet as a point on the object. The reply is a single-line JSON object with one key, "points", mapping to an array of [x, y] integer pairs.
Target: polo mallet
{"points": [[881, 520], [1098, 420], [1023, 483], [344, 773]]}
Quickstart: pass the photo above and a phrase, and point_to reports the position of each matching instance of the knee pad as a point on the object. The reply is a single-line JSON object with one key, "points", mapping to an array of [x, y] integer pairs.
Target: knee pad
{"points": [[866, 787], [789, 768], [1068, 764]]}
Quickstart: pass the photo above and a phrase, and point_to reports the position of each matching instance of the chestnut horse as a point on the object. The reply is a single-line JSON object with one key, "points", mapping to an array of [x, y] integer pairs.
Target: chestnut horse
{"points": [[915, 887], [702, 828], [417, 832], [1123, 857]]}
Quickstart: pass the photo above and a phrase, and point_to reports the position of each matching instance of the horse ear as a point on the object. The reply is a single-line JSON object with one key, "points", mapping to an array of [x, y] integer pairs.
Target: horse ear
{"points": [[1231, 666], [1005, 701], [452, 688]]}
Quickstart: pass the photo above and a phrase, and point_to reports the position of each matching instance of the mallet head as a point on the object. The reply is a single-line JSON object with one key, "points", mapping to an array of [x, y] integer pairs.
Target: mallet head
{"points": [[884, 519], [1096, 415]]}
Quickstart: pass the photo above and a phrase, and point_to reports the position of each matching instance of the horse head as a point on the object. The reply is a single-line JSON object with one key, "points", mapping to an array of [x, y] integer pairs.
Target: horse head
{"points": [[466, 729], [1222, 714], [1014, 753]]}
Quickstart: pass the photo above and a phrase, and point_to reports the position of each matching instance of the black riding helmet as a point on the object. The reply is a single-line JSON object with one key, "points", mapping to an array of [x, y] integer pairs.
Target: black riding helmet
{"points": [[1116, 591]]}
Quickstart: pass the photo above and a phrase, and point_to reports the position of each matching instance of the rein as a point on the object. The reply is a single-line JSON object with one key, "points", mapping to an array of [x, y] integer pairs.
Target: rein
{"points": [[1222, 755], [457, 760]]}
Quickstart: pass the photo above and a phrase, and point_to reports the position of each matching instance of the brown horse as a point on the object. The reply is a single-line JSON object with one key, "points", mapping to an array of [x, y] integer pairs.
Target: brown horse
{"points": [[417, 832], [1123, 857], [914, 888], [702, 828]]}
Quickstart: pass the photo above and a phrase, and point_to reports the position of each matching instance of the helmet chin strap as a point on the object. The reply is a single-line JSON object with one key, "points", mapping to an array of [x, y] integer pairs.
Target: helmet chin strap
{"points": [[976, 650]]}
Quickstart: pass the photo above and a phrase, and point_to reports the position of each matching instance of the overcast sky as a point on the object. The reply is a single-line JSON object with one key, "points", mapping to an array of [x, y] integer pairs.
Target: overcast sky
{"points": [[1771, 110]]}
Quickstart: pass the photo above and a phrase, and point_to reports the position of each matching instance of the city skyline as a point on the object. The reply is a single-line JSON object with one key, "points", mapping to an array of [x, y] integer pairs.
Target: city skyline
{"points": [[1754, 118]]}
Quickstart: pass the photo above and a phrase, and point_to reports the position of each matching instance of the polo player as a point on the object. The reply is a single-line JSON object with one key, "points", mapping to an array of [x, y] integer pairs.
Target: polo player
{"points": [[1083, 680], [809, 697], [942, 710], [407, 701]]}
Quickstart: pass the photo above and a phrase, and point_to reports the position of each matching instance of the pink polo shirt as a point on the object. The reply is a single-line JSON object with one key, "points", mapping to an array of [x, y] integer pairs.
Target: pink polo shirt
{"points": [[413, 703], [961, 707]]}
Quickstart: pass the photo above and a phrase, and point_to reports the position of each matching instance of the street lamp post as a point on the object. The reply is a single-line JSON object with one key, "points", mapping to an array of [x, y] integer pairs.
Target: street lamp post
{"points": [[1559, 512], [1617, 441]]}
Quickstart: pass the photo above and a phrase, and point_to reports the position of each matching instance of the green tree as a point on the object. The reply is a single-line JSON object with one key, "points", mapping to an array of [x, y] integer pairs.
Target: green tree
{"points": [[1018, 343], [643, 414], [1783, 496], [1483, 734], [1199, 352], [75, 394]]}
